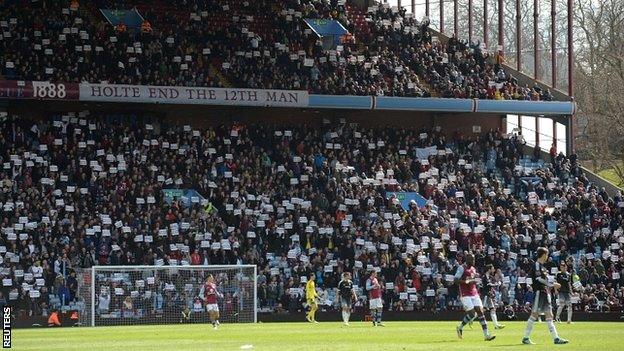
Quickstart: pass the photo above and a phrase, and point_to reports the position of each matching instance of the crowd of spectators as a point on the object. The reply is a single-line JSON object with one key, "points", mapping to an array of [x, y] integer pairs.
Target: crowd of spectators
{"points": [[80, 189], [263, 44]]}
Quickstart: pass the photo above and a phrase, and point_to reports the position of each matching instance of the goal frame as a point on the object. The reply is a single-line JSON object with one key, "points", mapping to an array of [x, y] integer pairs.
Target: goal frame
{"points": [[93, 269]]}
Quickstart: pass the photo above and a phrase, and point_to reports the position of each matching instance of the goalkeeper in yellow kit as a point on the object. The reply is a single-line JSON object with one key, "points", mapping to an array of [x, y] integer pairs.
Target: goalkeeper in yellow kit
{"points": [[311, 297]]}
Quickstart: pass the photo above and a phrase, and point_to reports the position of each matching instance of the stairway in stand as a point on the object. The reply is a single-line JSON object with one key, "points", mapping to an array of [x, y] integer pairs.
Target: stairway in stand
{"points": [[425, 85], [214, 72], [358, 18]]}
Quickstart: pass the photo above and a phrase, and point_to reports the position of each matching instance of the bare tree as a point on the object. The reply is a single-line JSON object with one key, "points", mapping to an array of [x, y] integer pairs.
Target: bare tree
{"points": [[599, 76]]}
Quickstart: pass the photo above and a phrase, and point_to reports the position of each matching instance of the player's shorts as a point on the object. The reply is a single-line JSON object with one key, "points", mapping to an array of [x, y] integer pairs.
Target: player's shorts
{"points": [[212, 307], [345, 303], [311, 302], [470, 302], [489, 302], [542, 303], [375, 304], [564, 298]]}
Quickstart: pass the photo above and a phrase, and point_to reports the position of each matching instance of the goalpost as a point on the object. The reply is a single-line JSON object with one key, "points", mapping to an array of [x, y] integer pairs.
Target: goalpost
{"points": [[130, 295]]}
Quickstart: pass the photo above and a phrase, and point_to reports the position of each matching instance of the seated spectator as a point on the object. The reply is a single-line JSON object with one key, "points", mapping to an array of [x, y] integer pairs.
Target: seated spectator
{"points": [[128, 307], [53, 320], [146, 27]]}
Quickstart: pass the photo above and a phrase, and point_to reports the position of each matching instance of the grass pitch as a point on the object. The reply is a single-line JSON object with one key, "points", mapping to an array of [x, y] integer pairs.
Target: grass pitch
{"points": [[318, 337], [610, 175]]}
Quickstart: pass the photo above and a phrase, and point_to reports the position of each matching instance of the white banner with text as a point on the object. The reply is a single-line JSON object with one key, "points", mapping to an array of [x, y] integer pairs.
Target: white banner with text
{"points": [[193, 95]]}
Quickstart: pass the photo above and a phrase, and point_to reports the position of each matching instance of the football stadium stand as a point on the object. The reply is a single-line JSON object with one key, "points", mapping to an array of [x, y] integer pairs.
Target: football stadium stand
{"points": [[79, 189], [247, 44], [91, 181]]}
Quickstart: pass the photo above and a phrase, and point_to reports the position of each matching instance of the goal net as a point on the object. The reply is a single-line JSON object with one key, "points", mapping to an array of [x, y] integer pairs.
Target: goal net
{"points": [[129, 295]]}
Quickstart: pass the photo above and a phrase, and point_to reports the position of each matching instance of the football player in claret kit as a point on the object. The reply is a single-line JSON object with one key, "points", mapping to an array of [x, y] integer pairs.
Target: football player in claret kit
{"points": [[466, 275], [542, 300], [374, 299], [564, 278], [488, 290], [347, 296], [210, 294]]}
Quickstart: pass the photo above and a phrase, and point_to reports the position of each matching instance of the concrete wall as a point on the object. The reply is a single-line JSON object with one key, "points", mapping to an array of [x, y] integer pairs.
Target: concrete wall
{"points": [[601, 182]]}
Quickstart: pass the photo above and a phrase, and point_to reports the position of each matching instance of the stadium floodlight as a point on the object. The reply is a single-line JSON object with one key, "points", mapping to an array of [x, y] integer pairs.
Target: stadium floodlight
{"points": [[131, 295]]}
